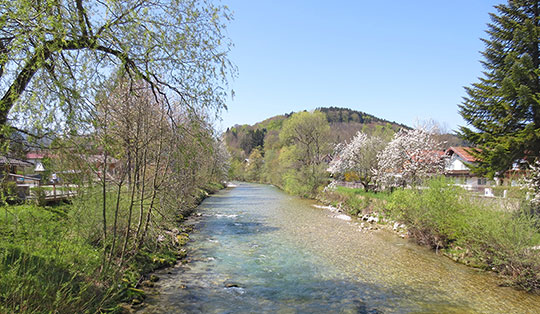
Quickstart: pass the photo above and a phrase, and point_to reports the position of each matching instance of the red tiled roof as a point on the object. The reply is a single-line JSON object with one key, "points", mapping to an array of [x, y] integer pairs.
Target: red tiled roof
{"points": [[35, 155], [463, 152]]}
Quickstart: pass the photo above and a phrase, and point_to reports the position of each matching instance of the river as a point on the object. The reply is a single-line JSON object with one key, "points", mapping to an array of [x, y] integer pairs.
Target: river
{"points": [[256, 249]]}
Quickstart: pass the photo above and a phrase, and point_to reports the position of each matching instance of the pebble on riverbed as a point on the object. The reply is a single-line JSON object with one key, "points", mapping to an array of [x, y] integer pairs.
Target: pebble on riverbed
{"points": [[373, 220]]}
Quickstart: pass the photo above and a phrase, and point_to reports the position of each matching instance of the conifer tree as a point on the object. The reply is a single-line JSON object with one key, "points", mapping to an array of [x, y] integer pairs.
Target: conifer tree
{"points": [[503, 108]]}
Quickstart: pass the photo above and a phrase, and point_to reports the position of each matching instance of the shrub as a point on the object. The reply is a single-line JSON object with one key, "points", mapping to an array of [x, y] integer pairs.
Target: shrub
{"points": [[9, 192], [40, 195], [446, 217]]}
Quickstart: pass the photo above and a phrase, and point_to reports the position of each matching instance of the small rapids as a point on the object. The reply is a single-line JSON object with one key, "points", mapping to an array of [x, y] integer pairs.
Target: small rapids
{"points": [[255, 249]]}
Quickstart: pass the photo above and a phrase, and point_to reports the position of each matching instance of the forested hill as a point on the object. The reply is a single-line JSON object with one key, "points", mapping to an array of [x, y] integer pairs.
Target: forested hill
{"points": [[346, 115], [344, 122]]}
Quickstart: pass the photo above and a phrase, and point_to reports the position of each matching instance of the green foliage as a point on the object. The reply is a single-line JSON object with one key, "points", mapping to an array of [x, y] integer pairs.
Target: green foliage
{"points": [[436, 209], [254, 166], [355, 201], [305, 134], [272, 168], [39, 193], [44, 267], [334, 115], [444, 216], [503, 108], [57, 50], [9, 192], [361, 192], [296, 146], [51, 257], [252, 140], [236, 170]]}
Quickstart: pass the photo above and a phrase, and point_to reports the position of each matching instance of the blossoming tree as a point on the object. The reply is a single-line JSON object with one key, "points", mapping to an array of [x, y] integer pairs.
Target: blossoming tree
{"points": [[410, 157], [359, 156]]}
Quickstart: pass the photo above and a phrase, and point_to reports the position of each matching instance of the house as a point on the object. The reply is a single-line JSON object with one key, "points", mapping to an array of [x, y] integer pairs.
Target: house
{"points": [[12, 166], [457, 167], [99, 161], [36, 158]]}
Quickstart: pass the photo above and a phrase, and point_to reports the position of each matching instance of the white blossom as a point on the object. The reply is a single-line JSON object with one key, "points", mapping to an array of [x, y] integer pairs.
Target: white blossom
{"points": [[358, 156], [533, 183], [411, 156]]}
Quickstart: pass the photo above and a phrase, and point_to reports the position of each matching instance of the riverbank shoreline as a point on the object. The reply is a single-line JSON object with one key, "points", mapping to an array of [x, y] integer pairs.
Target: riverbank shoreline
{"points": [[146, 284], [255, 249], [491, 246]]}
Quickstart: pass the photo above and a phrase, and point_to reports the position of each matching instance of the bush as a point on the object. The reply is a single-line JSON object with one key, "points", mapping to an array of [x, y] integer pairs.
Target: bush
{"points": [[40, 195], [9, 192], [354, 201], [444, 216]]}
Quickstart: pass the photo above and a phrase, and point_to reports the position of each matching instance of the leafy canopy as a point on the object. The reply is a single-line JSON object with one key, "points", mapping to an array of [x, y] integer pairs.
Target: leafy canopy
{"points": [[55, 53]]}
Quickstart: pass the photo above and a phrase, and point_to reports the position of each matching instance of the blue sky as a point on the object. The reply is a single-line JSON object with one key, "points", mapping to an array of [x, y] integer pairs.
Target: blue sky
{"points": [[403, 61]]}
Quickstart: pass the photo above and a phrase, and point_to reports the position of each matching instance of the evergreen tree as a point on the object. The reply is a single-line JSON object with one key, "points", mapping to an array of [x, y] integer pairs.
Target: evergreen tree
{"points": [[503, 108]]}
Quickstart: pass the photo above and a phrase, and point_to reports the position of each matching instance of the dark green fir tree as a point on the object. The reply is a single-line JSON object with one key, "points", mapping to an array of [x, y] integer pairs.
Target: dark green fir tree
{"points": [[502, 110]]}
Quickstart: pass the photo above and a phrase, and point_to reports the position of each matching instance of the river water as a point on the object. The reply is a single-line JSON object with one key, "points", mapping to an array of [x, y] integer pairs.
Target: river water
{"points": [[256, 249]]}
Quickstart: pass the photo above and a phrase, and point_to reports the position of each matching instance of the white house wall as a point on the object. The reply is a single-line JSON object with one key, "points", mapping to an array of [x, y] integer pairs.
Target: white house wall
{"points": [[455, 163]]}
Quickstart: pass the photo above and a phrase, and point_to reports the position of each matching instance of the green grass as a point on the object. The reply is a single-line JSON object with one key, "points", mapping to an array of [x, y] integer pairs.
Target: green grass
{"points": [[44, 267], [444, 217], [355, 201], [51, 257], [361, 192]]}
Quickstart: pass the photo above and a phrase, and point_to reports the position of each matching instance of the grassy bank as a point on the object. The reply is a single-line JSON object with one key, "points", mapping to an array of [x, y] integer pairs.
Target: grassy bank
{"points": [[447, 219], [51, 259], [354, 201]]}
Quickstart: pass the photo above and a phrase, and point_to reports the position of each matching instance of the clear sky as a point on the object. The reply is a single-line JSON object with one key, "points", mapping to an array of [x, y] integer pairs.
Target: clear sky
{"points": [[403, 61]]}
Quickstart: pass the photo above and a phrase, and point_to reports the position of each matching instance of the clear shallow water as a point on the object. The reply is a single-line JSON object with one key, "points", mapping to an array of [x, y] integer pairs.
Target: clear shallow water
{"points": [[258, 250]]}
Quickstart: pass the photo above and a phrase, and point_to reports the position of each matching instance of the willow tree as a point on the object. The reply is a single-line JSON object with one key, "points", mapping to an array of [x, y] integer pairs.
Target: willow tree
{"points": [[53, 53], [503, 108]]}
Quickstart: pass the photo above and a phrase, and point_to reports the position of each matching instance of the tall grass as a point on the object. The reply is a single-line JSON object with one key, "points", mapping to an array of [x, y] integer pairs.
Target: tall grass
{"points": [[445, 217], [44, 267], [52, 257]]}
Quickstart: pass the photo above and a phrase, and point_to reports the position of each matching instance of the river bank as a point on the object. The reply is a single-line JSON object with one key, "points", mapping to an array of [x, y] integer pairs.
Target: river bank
{"points": [[449, 222], [176, 254], [49, 263], [256, 249]]}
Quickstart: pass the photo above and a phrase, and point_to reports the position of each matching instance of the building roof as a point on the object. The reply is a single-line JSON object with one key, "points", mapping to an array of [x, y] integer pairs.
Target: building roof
{"points": [[14, 162], [36, 155], [463, 152]]}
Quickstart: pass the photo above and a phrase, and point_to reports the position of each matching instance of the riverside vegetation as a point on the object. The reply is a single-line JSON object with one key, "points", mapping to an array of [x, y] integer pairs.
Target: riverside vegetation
{"points": [[51, 258], [135, 177], [120, 98], [437, 213], [452, 222]]}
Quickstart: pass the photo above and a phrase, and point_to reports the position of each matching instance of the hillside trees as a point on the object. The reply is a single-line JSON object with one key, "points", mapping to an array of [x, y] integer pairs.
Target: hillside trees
{"points": [[55, 53], [503, 108], [254, 166]]}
